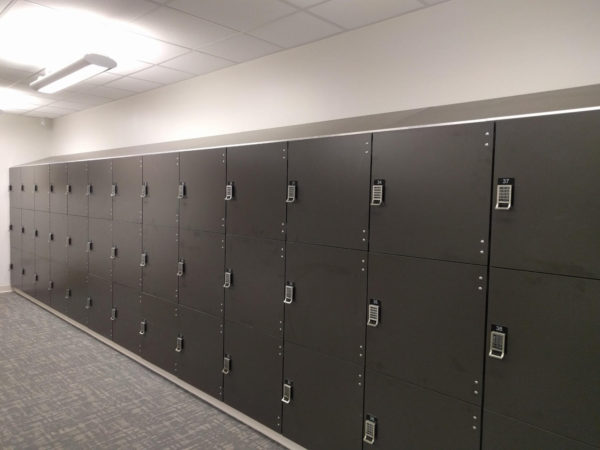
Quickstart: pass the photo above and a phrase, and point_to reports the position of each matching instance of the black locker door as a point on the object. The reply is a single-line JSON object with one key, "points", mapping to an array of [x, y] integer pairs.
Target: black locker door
{"points": [[552, 224], [431, 318], [42, 269], [99, 250], [203, 206], [100, 180], [159, 341], [326, 404], [77, 199], [253, 382], [436, 192], [16, 268], [127, 243], [99, 306], [76, 297], [42, 235], [42, 194], [159, 274], [58, 237], [14, 175], [28, 273], [408, 416], [259, 176], [15, 228], [126, 327], [201, 286], [28, 231], [127, 177], [28, 184], [160, 205], [58, 188], [332, 191], [549, 374], [201, 358], [77, 240], [59, 297], [255, 297], [328, 310]]}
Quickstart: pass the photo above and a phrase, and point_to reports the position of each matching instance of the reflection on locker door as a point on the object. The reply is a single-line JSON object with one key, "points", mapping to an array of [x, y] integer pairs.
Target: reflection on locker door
{"points": [[77, 197], [42, 233], [99, 248], [99, 306], [159, 327], [159, 262], [14, 174], [100, 190], [127, 189], [58, 188], [127, 328], [126, 253], [161, 182], [15, 228], [28, 190], [42, 183]]}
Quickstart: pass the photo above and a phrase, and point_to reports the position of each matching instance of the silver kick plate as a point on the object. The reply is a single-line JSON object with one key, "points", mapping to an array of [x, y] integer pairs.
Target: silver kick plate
{"points": [[370, 429], [289, 294], [287, 392]]}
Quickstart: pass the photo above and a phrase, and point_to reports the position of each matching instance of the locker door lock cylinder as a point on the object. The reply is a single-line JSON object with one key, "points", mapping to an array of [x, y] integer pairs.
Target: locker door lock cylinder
{"points": [[113, 190], [289, 293], [228, 279], [179, 344], [374, 313], [113, 252], [68, 293], [142, 327], [504, 193], [144, 192], [370, 430], [181, 190], [89, 189], [498, 342], [113, 314], [377, 193], [291, 192], [180, 268], [229, 191], [90, 246], [67, 189], [287, 392], [88, 303], [143, 259], [226, 364]]}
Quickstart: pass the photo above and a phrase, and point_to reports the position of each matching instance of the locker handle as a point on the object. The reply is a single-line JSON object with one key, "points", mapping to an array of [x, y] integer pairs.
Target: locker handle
{"points": [[113, 314], [22, 188], [226, 364], [68, 241], [67, 189], [36, 277], [90, 246], [287, 392], [35, 187], [35, 233], [377, 193], [113, 252], [51, 188], [289, 293], [22, 270], [50, 285], [179, 344], [89, 189], [180, 268], [68, 293], [291, 192], [22, 230], [181, 190], [142, 327], [229, 191], [113, 190], [143, 260], [370, 430], [374, 312], [50, 237], [88, 303], [228, 279], [144, 192]]}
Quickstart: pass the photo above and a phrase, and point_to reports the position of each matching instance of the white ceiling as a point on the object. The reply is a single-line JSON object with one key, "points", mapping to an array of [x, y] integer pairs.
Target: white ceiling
{"points": [[194, 37]]}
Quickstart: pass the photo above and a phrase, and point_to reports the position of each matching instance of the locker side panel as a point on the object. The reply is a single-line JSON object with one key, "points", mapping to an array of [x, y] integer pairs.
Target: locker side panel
{"points": [[159, 275], [127, 241], [127, 176], [42, 194], [14, 176], [126, 326], [77, 199], [100, 236], [42, 237], [159, 341], [42, 291], [28, 183], [160, 205], [100, 180], [99, 306], [58, 185]]}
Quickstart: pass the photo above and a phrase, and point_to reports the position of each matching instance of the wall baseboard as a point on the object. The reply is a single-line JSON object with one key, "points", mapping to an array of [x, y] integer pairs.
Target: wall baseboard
{"points": [[4, 289]]}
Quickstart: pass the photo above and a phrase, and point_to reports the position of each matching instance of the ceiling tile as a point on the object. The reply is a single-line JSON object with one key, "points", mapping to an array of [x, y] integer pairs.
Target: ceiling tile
{"points": [[133, 84], [127, 67], [296, 29], [241, 48], [65, 104], [86, 99], [115, 9], [357, 13], [240, 15], [304, 3], [162, 75], [152, 51], [102, 78], [197, 63], [55, 109], [110, 92]]}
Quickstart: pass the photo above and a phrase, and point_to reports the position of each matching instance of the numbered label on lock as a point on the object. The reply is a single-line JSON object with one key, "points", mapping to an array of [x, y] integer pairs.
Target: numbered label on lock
{"points": [[498, 337], [504, 193]]}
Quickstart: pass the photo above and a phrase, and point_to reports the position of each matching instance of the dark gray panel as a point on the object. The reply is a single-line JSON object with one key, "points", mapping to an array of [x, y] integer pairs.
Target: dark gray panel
{"points": [[14, 175], [203, 207], [332, 203], [58, 241], [78, 290], [42, 269], [100, 305], [259, 176], [553, 224], [16, 268], [77, 255], [201, 359], [159, 342], [100, 235], [42, 238], [100, 180], [432, 316], [28, 183], [77, 199], [126, 327], [436, 194], [127, 176], [201, 286], [411, 417], [325, 411], [255, 297], [28, 231], [160, 206], [253, 385], [28, 273], [15, 228], [328, 313], [549, 375], [58, 277], [127, 240], [159, 276], [58, 186], [42, 194]]}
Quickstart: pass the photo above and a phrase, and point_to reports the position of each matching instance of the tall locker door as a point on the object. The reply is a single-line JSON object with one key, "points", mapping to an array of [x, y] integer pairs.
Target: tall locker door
{"points": [[159, 340], [16, 268], [77, 199], [435, 192], [127, 328], [331, 201], [42, 287], [42, 188], [161, 180], [99, 306], [201, 280], [59, 295], [28, 186], [160, 262], [15, 228], [326, 309], [258, 174], [100, 191], [127, 179], [28, 273], [28, 231], [323, 407], [255, 296], [407, 416], [202, 206], [551, 223], [428, 320], [58, 188], [58, 237], [126, 254], [14, 187], [42, 234], [550, 365], [77, 261], [99, 248], [199, 359], [252, 373]]}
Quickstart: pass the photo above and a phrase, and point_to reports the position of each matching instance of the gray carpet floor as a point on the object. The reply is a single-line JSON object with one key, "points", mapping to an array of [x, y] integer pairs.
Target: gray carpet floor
{"points": [[60, 388]]}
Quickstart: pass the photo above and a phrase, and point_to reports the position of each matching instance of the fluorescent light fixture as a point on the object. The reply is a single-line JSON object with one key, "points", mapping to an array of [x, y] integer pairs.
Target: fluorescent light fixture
{"points": [[88, 66]]}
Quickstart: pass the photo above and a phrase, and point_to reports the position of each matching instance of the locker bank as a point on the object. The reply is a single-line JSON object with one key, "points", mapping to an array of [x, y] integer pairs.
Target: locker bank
{"points": [[315, 238]]}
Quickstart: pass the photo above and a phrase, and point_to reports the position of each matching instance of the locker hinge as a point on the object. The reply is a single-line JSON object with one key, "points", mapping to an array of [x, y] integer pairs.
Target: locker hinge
{"points": [[90, 246], [504, 193], [113, 314], [374, 312], [143, 260], [228, 279], [142, 327], [370, 430], [291, 192], [89, 189], [68, 241], [35, 187], [68, 293], [181, 190], [67, 189], [113, 190], [289, 293], [226, 364], [498, 342], [113, 252], [287, 392], [50, 285], [88, 303], [144, 192], [377, 192], [179, 344], [229, 191], [50, 237], [180, 268]]}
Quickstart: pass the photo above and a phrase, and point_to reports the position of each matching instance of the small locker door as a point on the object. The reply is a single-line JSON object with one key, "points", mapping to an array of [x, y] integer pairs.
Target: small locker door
{"points": [[200, 356], [127, 179], [252, 373], [99, 249], [550, 367], [160, 262], [161, 181], [258, 174], [99, 306], [16, 268], [331, 202], [325, 403], [126, 253], [15, 228], [406, 416], [14, 187], [100, 192], [326, 308], [426, 323], [42, 188], [201, 281], [28, 273], [159, 340], [58, 188], [28, 231], [42, 287], [255, 297], [551, 224], [58, 237], [42, 234], [77, 199], [77, 294], [59, 297], [127, 328], [202, 206], [28, 190]]}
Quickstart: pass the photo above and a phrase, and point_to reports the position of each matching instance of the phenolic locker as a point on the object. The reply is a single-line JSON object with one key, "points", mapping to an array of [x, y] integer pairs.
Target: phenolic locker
{"points": [[202, 205], [77, 197], [14, 187], [552, 222], [255, 297], [28, 185], [126, 327], [28, 231], [100, 181], [331, 202], [127, 179], [160, 262], [58, 237], [161, 180], [428, 320], [99, 306], [42, 288], [325, 406], [201, 283], [253, 362], [16, 269], [407, 416], [259, 175], [77, 242], [42, 234], [76, 297], [42, 193], [550, 367], [15, 228], [59, 298], [126, 252], [327, 307], [58, 188], [99, 247], [28, 278], [159, 341]]}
